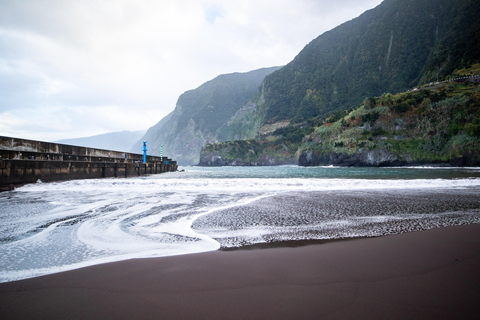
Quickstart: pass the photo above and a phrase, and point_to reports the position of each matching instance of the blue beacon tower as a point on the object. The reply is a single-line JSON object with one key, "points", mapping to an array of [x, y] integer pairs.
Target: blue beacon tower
{"points": [[144, 151]]}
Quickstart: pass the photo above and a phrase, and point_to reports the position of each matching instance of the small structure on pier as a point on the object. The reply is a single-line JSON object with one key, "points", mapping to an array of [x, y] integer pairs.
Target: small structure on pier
{"points": [[144, 151], [25, 161]]}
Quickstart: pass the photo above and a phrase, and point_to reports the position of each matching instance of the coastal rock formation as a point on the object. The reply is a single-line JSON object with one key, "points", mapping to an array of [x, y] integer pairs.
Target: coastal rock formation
{"points": [[435, 125], [377, 158], [216, 159], [364, 65]]}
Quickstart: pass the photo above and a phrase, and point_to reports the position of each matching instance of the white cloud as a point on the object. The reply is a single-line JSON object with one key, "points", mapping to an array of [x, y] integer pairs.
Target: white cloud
{"points": [[72, 68]]}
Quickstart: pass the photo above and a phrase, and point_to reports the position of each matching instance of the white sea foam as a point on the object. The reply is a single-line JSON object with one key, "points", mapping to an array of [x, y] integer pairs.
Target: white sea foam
{"points": [[150, 186], [52, 227]]}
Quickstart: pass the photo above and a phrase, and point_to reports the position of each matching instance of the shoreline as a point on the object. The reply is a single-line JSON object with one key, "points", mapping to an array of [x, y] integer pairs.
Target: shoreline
{"points": [[290, 243], [425, 274]]}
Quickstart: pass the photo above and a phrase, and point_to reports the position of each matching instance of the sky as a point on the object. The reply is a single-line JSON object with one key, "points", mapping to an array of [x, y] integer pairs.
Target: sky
{"points": [[77, 68]]}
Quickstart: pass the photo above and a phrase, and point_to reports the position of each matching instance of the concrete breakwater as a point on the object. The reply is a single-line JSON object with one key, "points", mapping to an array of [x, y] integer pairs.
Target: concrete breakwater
{"points": [[26, 161]]}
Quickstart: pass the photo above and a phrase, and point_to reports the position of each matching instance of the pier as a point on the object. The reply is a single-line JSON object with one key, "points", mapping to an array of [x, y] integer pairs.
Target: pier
{"points": [[25, 161]]}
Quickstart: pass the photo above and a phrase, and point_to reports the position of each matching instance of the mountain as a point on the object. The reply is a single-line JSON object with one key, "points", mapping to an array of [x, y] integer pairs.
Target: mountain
{"points": [[117, 141], [439, 124], [436, 124], [399, 45], [200, 113], [394, 47]]}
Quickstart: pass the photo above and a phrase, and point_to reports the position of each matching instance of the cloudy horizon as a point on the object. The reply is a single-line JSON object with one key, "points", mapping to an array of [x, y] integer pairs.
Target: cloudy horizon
{"points": [[71, 69]]}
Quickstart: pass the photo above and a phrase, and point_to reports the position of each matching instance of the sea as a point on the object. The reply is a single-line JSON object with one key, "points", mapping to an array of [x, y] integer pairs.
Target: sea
{"points": [[52, 227]]}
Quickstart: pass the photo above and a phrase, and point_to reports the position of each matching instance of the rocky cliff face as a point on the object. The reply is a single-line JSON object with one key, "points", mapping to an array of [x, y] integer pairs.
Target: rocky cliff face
{"points": [[205, 115], [215, 159], [363, 158], [405, 129], [381, 158], [247, 153], [392, 48], [436, 125]]}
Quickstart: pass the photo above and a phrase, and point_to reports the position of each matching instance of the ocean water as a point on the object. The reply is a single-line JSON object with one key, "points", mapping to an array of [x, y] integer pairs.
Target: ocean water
{"points": [[52, 227]]}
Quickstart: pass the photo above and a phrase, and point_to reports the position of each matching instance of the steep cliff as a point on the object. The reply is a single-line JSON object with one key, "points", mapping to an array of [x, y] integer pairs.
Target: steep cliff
{"points": [[395, 47], [435, 125], [270, 152], [199, 115], [439, 124], [399, 45], [392, 48]]}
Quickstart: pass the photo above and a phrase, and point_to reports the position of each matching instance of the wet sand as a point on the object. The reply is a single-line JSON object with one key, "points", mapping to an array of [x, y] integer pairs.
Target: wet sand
{"points": [[433, 274]]}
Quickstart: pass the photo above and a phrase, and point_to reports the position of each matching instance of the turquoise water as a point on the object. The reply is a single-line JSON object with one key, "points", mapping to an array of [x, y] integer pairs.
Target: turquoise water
{"points": [[330, 172]]}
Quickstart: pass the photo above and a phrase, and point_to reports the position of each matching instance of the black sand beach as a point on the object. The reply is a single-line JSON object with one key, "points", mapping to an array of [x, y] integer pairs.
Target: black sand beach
{"points": [[433, 274]]}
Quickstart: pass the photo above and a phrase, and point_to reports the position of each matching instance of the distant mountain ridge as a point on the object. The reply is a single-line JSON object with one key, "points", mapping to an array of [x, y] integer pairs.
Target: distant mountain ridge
{"points": [[116, 141]]}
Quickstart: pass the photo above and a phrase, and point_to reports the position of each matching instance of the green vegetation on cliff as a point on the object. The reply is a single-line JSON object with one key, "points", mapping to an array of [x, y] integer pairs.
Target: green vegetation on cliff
{"points": [[200, 113], [435, 124], [396, 46], [277, 148], [440, 124], [399, 45]]}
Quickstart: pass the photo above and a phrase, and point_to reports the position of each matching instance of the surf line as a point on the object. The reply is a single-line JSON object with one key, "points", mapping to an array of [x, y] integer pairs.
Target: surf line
{"points": [[215, 245]]}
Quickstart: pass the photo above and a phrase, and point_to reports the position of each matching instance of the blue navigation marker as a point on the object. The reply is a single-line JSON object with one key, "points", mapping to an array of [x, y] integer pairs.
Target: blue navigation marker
{"points": [[144, 151]]}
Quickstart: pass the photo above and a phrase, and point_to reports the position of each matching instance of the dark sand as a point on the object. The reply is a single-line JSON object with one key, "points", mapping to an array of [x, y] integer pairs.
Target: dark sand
{"points": [[432, 274]]}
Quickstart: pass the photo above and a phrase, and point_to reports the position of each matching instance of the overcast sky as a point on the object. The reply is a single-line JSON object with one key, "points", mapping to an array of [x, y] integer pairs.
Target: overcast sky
{"points": [[76, 68]]}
